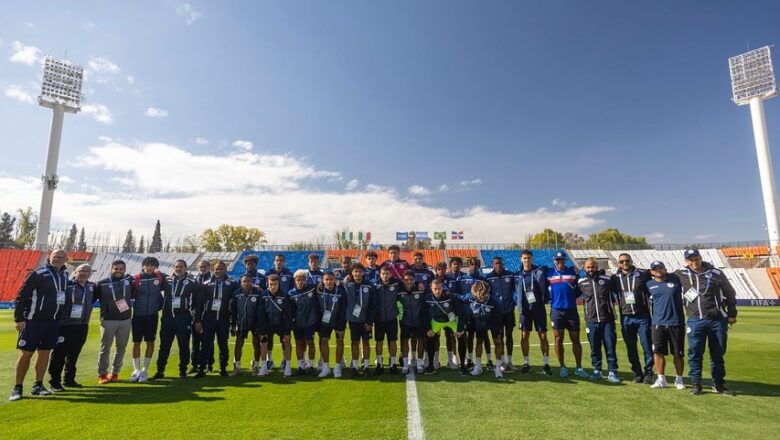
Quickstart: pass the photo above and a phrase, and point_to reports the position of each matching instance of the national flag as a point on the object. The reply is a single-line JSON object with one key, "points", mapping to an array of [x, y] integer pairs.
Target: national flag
{"points": [[439, 235], [360, 235], [421, 235], [457, 235], [368, 236], [401, 236], [351, 235]]}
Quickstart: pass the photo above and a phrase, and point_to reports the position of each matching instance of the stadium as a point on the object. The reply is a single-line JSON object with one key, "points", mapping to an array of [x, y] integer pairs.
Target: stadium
{"points": [[362, 192]]}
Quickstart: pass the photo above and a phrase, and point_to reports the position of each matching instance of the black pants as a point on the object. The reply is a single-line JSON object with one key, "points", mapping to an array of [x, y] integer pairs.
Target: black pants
{"points": [[178, 327], [66, 353], [198, 346], [211, 328]]}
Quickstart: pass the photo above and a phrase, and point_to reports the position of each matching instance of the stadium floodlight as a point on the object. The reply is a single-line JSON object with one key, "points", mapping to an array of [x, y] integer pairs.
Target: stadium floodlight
{"points": [[753, 81], [61, 92]]}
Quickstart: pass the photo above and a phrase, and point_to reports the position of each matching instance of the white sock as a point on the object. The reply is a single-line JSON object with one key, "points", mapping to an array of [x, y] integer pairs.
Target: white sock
{"points": [[354, 363], [237, 364], [449, 355], [147, 362], [678, 378], [392, 360], [137, 364], [365, 363], [435, 356], [269, 356], [662, 378], [478, 363], [490, 357], [406, 362], [546, 360], [498, 363], [468, 356], [508, 359], [302, 363], [378, 360], [525, 360]]}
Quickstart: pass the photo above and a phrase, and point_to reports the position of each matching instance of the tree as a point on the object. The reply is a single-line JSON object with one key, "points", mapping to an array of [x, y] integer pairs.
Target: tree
{"points": [[82, 241], [141, 247], [612, 238], [546, 239], [129, 245], [25, 235], [570, 239], [231, 238], [6, 229], [71, 243], [156, 244]]}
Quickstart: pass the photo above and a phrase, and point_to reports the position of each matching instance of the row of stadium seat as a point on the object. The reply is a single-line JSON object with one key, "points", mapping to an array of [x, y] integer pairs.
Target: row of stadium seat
{"points": [[742, 284], [672, 259], [755, 251], [512, 257], [294, 260], [101, 267], [14, 266]]}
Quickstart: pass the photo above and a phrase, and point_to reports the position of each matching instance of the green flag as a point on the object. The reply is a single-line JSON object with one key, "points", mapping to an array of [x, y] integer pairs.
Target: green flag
{"points": [[439, 235]]}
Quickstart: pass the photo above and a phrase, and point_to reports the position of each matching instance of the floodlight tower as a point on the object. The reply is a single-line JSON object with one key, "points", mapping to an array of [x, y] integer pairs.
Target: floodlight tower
{"points": [[61, 92]]}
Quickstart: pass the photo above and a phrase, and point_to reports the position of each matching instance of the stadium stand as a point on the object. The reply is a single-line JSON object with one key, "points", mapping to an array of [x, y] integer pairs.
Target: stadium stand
{"points": [[101, 267], [745, 251], [673, 259], [228, 257], [581, 254], [14, 266], [512, 261], [742, 284], [463, 253], [79, 256], [294, 260], [774, 278], [333, 257], [430, 256]]}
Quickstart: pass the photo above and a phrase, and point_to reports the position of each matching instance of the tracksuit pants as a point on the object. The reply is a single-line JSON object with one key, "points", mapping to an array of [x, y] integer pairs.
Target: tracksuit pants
{"points": [[176, 327], [602, 334], [110, 331], [66, 353], [221, 329], [713, 333], [639, 327]]}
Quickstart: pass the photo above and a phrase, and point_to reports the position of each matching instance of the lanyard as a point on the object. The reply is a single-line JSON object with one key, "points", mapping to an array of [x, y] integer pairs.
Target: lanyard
{"points": [[698, 286], [113, 292], [217, 289], [57, 280], [273, 298], [628, 281], [530, 286], [73, 293], [436, 301], [335, 299]]}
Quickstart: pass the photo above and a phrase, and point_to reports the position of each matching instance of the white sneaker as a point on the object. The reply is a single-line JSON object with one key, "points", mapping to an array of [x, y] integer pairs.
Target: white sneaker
{"points": [[499, 374], [134, 377], [452, 365], [337, 370], [476, 371], [679, 384], [405, 369], [320, 365], [420, 368], [659, 383], [325, 371], [413, 362], [436, 364], [263, 371], [254, 368], [287, 370], [144, 376]]}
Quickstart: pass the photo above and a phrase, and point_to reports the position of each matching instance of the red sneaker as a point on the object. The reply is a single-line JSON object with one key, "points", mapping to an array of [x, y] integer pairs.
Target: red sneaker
{"points": [[114, 378], [103, 379]]}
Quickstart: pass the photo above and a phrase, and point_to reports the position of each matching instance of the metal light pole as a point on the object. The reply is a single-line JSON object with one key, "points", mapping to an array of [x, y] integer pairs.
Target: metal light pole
{"points": [[61, 92], [753, 81]]}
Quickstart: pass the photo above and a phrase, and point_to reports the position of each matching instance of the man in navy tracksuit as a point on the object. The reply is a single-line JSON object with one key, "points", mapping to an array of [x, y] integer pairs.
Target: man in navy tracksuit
{"points": [[563, 311], [245, 310], [147, 303], [212, 318], [386, 318], [487, 316], [343, 271], [177, 318], [422, 272], [332, 301], [711, 304], [360, 315], [315, 273], [532, 295], [259, 281], [307, 318], [203, 276], [502, 289], [411, 302], [372, 269], [279, 314], [37, 303], [635, 321], [596, 289], [285, 276], [666, 296], [73, 318]]}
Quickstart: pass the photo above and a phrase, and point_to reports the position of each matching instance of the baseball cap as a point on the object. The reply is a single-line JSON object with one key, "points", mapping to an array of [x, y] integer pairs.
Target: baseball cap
{"points": [[691, 253], [559, 256], [656, 264]]}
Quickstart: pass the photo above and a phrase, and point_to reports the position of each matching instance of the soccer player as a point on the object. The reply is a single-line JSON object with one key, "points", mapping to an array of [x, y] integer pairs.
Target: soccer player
{"points": [[444, 311], [467, 280], [315, 273], [665, 294], [533, 293], [245, 310], [176, 320], [635, 319], [596, 289], [411, 302], [502, 289], [372, 269], [307, 318], [386, 318], [712, 307], [333, 306], [115, 294], [396, 264], [37, 303], [422, 272], [259, 281], [212, 319], [73, 317], [279, 312], [343, 271], [487, 316], [203, 276], [286, 281], [360, 314], [147, 303], [563, 312]]}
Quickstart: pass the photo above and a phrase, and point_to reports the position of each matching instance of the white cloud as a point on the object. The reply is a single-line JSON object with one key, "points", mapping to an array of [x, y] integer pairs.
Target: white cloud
{"points": [[18, 93], [188, 13], [563, 203], [130, 79], [201, 141], [704, 236], [466, 185], [25, 54], [138, 191], [655, 237], [103, 65], [352, 185], [153, 112], [421, 191], [100, 112], [87, 25], [245, 145]]}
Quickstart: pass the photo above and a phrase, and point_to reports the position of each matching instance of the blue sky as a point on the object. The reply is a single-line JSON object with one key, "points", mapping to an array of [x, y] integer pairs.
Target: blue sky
{"points": [[496, 118]]}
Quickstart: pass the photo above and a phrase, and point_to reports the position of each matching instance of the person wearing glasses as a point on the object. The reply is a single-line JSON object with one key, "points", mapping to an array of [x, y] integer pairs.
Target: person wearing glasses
{"points": [[635, 320]]}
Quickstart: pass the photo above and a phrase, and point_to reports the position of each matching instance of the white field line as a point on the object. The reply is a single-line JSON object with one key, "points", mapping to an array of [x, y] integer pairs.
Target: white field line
{"points": [[414, 421]]}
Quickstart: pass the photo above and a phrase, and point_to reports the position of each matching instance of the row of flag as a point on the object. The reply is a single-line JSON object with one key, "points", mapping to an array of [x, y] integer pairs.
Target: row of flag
{"points": [[360, 236], [422, 235]]}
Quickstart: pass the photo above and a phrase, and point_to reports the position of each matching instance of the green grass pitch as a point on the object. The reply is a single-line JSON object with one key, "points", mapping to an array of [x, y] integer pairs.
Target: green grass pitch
{"points": [[451, 406]]}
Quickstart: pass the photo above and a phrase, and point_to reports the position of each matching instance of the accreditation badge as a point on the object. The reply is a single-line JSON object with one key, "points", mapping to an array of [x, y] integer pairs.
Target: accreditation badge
{"points": [[121, 305], [216, 304], [629, 296], [77, 311]]}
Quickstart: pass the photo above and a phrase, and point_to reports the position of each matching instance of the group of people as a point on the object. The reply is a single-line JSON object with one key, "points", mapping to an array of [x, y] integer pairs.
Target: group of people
{"points": [[379, 301]]}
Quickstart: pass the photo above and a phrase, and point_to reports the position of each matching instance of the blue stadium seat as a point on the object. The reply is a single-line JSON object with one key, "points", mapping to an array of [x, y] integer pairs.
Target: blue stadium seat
{"points": [[542, 257], [294, 260]]}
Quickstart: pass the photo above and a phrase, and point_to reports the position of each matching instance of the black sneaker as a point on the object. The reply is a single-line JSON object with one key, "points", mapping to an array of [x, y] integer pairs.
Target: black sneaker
{"points": [[638, 378], [546, 370], [39, 390], [193, 370], [56, 387], [300, 371], [464, 371], [469, 364], [16, 394], [182, 374], [648, 379], [525, 369], [490, 365], [355, 372], [72, 384], [379, 370], [721, 389], [430, 370], [210, 368], [696, 389], [394, 369], [200, 373], [223, 372], [159, 375]]}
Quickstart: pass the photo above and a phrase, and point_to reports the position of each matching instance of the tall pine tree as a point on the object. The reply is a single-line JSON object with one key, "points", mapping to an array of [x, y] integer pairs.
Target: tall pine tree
{"points": [[82, 246], [156, 244], [7, 223], [129, 245], [141, 247], [70, 244]]}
